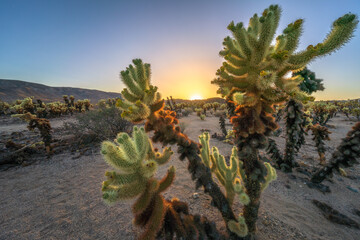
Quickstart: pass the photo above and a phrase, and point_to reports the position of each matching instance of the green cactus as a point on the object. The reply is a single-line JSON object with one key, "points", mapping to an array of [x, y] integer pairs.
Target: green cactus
{"points": [[320, 133], [42, 124], [137, 162], [4, 106], [253, 76], [295, 133], [346, 155], [229, 176], [222, 125], [239, 227], [356, 113], [310, 83], [232, 177], [140, 97]]}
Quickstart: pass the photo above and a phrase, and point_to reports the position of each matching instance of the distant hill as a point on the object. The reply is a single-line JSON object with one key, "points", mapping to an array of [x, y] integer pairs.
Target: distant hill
{"points": [[10, 90]]}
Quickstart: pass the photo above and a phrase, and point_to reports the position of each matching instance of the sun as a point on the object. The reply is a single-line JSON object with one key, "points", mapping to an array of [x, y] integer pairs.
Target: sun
{"points": [[196, 97]]}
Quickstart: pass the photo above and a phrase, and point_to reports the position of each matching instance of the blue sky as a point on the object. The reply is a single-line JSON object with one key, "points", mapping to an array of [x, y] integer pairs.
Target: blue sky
{"points": [[87, 43]]}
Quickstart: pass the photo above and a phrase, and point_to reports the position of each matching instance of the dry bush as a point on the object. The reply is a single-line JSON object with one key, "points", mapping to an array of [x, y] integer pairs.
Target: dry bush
{"points": [[98, 125]]}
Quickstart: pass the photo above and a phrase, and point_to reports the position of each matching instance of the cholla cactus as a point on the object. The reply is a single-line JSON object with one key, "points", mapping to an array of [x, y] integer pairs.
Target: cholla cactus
{"points": [[232, 177], [222, 125], [141, 98], [356, 113], [346, 111], [42, 124], [345, 155], [295, 133], [137, 162], [72, 99], [4, 106], [320, 133], [253, 76], [310, 83]]}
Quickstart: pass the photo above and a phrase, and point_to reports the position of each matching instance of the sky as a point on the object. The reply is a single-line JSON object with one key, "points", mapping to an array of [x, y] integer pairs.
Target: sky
{"points": [[86, 43]]}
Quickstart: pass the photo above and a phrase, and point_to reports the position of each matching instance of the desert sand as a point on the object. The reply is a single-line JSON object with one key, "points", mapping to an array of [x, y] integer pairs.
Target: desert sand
{"points": [[60, 197]]}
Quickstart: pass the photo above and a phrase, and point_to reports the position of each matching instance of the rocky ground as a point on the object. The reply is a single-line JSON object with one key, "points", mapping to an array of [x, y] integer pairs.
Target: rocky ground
{"points": [[60, 197]]}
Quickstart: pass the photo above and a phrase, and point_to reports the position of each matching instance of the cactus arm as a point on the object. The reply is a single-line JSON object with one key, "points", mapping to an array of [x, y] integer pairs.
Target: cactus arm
{"points": [[128, 146], [164, 157], [129, 96], [155, 221], [141, 141], [270, 176], [292, 35], [114, 193], [115, 157], [239, 227], [145, 198], [341, 33], [131, 84], [120, 179], [239, 34], [167, 180]]}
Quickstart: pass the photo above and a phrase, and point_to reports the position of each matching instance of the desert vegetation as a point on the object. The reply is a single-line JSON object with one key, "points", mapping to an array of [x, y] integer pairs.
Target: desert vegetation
{"points": [[237, 155]]}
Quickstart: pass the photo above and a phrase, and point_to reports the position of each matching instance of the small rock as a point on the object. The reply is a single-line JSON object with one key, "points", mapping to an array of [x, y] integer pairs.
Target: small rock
{"points": [[352, 189], [195, 195]]}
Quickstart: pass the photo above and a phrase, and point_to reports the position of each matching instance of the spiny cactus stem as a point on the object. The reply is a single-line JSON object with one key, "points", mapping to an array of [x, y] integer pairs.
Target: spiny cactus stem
{"points": [[253, 190], [200, 173]]}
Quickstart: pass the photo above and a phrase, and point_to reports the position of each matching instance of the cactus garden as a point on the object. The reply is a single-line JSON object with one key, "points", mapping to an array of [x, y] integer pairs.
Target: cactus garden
{"points": [[258, 146]]}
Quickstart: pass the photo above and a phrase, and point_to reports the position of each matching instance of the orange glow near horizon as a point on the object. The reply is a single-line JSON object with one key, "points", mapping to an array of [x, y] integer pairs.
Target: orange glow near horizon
{"points": [[186, 79]]}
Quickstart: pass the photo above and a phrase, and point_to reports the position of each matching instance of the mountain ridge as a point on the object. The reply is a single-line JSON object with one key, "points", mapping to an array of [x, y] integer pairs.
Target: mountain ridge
{"points": [[10, 90]]}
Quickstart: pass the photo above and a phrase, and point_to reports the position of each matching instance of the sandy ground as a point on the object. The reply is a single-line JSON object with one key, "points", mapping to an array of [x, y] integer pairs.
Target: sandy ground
{"points": [[60, 198]]}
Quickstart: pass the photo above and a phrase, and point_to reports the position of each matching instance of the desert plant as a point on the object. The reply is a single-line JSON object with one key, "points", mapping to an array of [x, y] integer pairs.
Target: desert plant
{"points": [[253, 74], [346, 111], [345, 155], [295, 121], [222, 125], [98, 125], [295, 133], [143, 102], [356, 113], [42, 124], [310, 83], [320, 133], [4, 106], [202, 117]]}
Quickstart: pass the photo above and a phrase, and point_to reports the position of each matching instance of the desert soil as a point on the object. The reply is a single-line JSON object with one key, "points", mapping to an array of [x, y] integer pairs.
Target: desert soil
{"points": [[60, 198]]}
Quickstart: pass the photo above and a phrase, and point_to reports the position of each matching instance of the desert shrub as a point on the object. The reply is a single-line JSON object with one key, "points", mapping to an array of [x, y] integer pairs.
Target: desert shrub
{"points": [[202, 117], [98, 125], [186, 112], [219, 113]]}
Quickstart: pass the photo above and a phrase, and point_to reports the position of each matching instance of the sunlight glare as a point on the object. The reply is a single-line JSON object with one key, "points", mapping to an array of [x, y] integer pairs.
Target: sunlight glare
{"points": [[196, 97]]}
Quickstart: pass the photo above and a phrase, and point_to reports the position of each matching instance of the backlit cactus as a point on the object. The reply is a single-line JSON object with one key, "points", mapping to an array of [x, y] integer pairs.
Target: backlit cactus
{"points": [[140, 97], [254, 77], [137, 162], [231, 177]]}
